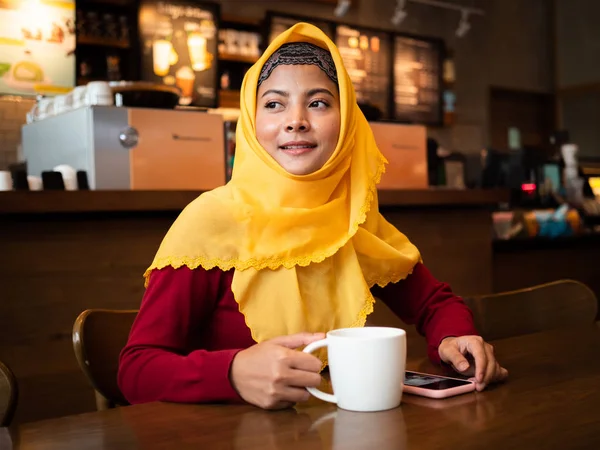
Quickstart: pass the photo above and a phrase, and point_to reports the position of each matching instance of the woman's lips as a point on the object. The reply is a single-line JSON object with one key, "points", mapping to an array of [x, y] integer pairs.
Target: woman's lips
{"points": [[298, 148]]}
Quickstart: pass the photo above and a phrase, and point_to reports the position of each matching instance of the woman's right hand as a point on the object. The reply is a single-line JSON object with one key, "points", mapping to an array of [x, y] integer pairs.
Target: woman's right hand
{"points": [[273, 375]]}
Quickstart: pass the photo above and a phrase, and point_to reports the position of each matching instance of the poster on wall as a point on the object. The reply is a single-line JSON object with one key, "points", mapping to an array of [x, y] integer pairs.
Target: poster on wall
{"points": [[366, 55], [179, 47], [37, 46], [417, 80]]}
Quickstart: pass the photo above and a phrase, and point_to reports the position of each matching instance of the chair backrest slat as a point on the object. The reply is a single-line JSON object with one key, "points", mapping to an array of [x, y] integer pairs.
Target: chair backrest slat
{"points": [[99, 335], [559, 304], [9, 394]]}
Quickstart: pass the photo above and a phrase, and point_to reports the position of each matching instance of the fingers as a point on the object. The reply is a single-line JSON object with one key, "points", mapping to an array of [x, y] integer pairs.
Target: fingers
{"points": [[294, 395], [477, 350], [289, 389], [277, 406], [484, 365], [297, 340], [488, 371], [492, 365], [299, 370], [302, 379], [453, 356], [304, 361]]}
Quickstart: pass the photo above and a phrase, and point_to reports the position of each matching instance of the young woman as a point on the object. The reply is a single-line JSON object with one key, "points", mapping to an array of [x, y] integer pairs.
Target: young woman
{"points": [[292, 247]]}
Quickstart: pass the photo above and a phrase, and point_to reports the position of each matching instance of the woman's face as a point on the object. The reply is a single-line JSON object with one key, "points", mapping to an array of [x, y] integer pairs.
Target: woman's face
{"points": [[298, 117]]}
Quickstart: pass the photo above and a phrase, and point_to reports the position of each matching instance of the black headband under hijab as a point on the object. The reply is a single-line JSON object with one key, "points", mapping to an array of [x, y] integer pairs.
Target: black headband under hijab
{"points": [[299, 53]]}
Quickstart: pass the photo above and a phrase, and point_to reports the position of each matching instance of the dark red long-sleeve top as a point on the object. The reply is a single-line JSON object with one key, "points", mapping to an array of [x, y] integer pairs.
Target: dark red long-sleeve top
{"points": [[189, 329]]}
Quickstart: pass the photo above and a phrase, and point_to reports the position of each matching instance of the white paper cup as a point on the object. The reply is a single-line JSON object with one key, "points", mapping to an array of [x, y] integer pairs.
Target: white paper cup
{"points": [[99, 93], [6, 182], [35, 183], [69, 176]]}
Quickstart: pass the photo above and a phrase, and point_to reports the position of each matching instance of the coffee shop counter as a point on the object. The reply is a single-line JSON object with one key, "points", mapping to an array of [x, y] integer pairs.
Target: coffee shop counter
{"points": [[63, 252]]}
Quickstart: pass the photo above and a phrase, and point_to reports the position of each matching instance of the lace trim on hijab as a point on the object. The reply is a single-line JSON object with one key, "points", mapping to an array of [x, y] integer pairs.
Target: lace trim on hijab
{"points": [[300, 53]]}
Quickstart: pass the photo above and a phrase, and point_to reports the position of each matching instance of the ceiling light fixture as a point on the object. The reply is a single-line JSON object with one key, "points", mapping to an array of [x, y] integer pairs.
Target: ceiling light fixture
{"points": [[463, 25], [399, 13], [342, 8]]}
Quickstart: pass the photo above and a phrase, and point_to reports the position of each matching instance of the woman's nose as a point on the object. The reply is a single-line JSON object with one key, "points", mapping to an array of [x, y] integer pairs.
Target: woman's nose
{"points": [[297, 121]]}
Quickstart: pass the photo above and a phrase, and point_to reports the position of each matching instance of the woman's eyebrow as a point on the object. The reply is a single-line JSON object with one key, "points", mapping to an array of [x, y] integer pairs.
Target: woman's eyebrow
{"points": [[315, 91], [276, 91]]}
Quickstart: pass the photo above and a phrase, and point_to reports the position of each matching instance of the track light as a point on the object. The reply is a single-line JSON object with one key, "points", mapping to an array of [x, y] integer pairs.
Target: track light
{"points": [[463, 26], [466, 13], [399, 13], [342, 8]]}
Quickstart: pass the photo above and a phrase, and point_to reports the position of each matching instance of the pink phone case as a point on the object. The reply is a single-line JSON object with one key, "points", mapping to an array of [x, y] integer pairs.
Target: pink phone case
{"points": [[444, 393]]}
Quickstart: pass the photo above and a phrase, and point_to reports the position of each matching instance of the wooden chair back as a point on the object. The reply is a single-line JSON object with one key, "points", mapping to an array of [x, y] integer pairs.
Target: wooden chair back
{"points": [[9, 394], [562, 303], [99, 335]]}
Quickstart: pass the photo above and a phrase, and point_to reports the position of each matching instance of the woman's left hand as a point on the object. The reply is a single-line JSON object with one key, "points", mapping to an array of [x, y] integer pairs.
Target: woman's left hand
{"points": [[486, 369]]}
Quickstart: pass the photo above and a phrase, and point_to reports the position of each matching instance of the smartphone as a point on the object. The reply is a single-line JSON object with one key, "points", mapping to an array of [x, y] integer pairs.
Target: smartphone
{"points": [[435, 386]]}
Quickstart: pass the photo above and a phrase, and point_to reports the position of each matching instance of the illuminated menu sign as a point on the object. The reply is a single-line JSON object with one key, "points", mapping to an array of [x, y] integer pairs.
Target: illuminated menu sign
{"points": [[179, 47], [417, 84], [366, 55]]}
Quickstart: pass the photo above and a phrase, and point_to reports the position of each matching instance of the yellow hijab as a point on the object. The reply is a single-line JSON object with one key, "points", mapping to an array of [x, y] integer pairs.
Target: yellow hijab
{"points": [[305, 249]]}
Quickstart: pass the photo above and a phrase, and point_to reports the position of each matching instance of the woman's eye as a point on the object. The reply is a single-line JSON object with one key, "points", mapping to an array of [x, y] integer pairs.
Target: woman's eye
{"points": [[272, 105], [319, 104]]}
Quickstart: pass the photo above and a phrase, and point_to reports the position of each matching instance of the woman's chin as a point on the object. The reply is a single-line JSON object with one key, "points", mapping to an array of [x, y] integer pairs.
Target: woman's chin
{"points": [[300, 165], [297, 169]]}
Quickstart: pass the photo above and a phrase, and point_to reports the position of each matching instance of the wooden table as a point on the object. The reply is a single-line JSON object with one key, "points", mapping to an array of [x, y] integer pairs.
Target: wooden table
{"points": [[552, 401]]}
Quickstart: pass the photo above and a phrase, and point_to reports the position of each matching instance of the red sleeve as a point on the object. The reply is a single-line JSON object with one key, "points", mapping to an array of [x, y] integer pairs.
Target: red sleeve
{"points": [[429, 304], [159, 362]]}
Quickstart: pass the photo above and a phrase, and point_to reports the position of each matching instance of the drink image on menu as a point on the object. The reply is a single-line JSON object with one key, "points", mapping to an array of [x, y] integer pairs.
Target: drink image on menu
{"points": [[179, 41], [197, 49], [375, 44], [161, 51], [184, 79]]}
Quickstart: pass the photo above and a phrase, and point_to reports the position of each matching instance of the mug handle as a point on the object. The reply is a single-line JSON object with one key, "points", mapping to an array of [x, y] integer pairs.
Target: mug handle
{"points": [[314, 391]]}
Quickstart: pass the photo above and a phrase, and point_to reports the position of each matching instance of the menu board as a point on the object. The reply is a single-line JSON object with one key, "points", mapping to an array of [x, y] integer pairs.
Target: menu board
{"points": [[366, 55], [37, 47], [417, 73], [278, 23], [179, 47]]}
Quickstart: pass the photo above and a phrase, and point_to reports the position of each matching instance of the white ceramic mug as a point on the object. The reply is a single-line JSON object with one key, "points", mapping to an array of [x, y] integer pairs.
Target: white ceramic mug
{"points": [[366, 366]]}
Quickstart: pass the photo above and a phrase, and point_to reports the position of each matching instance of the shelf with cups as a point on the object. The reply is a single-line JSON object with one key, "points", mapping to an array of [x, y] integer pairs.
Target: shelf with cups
{"points": [[103, 42], [106, 45], [239, 47]]}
